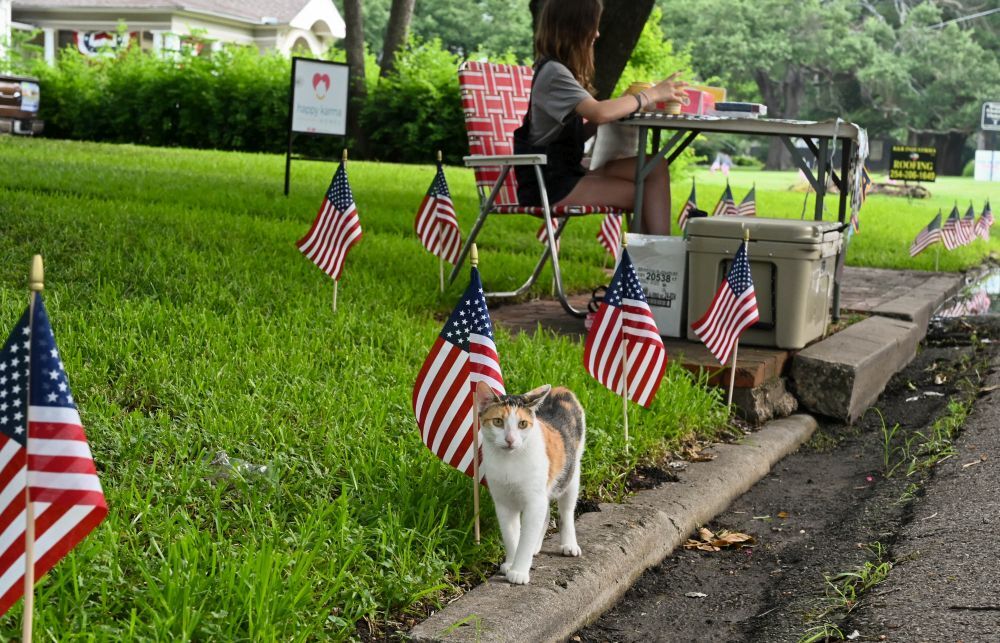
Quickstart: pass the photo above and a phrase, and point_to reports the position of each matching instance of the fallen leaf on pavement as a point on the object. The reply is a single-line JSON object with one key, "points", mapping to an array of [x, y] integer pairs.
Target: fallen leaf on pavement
{"points": [[854, 635], [708, 541], [695, 595], [940, 378], [782, 514]]}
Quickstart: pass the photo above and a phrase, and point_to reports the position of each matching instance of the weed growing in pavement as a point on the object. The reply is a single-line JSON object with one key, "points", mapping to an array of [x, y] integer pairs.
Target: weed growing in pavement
{"points": [[844, 592], [822, 632]]}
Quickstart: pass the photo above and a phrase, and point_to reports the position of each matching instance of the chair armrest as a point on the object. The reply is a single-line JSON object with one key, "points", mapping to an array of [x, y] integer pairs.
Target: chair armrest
{"points": [[481, 160]]}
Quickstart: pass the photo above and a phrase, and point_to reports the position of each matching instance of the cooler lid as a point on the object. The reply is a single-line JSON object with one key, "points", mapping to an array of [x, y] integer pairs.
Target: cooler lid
{"points": [[761, 229]]}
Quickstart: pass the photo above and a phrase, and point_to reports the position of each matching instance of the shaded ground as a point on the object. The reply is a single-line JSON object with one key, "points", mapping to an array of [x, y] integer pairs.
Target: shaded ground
{"points": [[818, 513]]}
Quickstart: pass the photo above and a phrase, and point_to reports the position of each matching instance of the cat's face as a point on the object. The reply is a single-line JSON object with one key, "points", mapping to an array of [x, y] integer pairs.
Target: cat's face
{"points": [[507, 421]]}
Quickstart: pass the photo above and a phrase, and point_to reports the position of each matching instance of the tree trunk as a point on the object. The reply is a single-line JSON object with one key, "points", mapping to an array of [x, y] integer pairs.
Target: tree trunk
{"points": [[783, 100], [950, 147], [621, 26], [535, 6], [354, 43], [396, 31]]}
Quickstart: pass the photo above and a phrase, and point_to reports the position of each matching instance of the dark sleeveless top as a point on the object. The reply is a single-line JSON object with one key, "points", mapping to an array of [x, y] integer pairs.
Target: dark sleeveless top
{"points": [[563, 169]]}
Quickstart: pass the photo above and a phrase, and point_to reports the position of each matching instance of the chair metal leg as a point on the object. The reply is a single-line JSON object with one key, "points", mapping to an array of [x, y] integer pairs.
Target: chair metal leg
{"points": [[553, 248], [484, 212], [523, 288]]}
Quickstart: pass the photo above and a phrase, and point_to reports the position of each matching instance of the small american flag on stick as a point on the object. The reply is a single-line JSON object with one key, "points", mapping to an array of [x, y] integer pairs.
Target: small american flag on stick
{"points": [[436, 224], [463, 355], [610, 234], [336, 228], [726, 204], [733, 310], [927, 237], [689, 206], [951, 232], [969, 225], [984, 223], [625, 323], [42, 447], [748, 206]]}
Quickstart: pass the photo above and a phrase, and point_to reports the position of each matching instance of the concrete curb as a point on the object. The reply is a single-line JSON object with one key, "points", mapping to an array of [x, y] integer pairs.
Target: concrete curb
{"points": [[619, 543]]}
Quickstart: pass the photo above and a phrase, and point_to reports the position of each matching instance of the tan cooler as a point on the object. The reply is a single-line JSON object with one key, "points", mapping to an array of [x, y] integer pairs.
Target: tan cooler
{"points": [[792, 265]]}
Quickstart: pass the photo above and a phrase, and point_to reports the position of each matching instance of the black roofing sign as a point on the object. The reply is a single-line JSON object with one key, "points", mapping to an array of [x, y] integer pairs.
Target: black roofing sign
{"points": [[991, 116], [908, 163]]}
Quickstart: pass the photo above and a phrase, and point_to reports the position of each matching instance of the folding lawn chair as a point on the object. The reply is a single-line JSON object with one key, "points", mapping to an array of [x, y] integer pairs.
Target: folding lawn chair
{"points": [[495, 99]]}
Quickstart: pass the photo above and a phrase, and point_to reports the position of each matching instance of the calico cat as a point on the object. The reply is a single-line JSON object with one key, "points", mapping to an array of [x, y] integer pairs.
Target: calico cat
{"points": [[532, 445]]}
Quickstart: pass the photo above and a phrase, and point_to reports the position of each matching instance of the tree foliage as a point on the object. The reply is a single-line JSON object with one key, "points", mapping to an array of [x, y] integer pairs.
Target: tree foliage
{"points": [[887, 64]]}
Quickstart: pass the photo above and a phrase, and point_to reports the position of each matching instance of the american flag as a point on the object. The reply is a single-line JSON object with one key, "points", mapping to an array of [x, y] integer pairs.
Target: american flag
{"points": [[969, 224], [625, 313], [733, 310], [610, 234], [543, 234], [336, 228], [927, 237], [748, 206], [436, 223], [463, 355], [43, 445], [984, 223], [689, 206], [726, 204], [951, 232]]}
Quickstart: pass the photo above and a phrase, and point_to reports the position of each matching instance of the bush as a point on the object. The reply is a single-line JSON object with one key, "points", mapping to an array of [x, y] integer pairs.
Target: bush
{"points": [[237, 99], [970, 168], [234, 99], [417, 110]]}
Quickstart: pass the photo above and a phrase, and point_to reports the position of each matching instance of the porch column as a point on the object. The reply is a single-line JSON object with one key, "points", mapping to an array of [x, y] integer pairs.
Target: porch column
{"points": [[50, 45]]}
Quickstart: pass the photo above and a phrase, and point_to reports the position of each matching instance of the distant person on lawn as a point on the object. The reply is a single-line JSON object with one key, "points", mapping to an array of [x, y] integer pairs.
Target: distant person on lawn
{"points": [[563, 114]]}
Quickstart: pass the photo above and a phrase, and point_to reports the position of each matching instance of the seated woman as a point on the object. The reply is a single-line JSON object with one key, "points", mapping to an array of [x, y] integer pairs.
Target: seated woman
{"points": [[561, 98]]}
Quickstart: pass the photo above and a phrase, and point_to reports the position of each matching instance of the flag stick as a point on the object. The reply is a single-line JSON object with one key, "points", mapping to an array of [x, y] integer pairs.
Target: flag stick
{"points": [[624, 355], [439, 241], [732, 375], [37, 283], [337, 281], [474, 260], [736, 347], [937, 255]]}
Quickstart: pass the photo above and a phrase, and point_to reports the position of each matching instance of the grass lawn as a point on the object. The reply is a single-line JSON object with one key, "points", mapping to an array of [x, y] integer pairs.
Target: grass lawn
{"points": [[888, 224], [190, 324]]}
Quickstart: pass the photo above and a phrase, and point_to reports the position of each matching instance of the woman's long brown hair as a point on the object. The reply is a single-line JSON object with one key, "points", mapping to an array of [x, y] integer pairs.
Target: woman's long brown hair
{"points": [[566, 30]]}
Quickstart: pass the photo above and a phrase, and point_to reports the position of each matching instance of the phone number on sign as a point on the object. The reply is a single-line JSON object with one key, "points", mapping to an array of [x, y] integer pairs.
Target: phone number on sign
{"points": [[912, 175]]}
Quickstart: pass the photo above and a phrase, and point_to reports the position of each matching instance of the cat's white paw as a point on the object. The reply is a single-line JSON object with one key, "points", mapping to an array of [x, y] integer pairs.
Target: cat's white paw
{"points": [[504, 568], [571, 550], [517, 578]]}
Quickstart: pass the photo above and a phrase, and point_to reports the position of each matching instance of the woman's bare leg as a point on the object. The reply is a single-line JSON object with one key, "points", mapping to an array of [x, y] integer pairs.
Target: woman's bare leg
{"points": [[614, 185]]}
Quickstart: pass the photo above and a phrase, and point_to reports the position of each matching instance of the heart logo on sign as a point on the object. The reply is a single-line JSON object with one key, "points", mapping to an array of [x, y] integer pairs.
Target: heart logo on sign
{"points": [[324, 80]]}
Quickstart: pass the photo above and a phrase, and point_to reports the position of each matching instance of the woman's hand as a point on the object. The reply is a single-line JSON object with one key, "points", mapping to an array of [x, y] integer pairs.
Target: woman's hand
{"points": [[668, 89]]}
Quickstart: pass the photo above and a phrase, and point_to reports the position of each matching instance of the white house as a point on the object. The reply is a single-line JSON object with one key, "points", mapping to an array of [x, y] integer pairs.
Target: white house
{"points": [[282, 25]]}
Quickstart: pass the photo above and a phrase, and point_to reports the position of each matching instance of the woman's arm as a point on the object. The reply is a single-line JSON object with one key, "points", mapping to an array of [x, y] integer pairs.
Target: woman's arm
{"points": [[613, 109]]}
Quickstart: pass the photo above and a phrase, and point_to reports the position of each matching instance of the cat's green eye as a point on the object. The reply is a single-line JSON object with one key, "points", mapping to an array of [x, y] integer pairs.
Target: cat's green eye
{"points": [[497, 421], [523, 424]]}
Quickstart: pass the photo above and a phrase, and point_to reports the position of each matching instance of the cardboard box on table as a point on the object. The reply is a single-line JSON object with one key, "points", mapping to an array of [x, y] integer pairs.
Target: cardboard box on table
{"points": [[792, 264], [661, 263]]}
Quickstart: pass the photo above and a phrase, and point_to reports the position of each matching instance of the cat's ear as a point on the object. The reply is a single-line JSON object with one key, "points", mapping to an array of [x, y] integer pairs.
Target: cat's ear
{"points": [[534, 398], [485, 396]]}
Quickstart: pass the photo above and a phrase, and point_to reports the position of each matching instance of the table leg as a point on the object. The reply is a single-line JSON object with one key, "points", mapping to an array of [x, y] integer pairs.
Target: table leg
{"points": [[635, 224]]}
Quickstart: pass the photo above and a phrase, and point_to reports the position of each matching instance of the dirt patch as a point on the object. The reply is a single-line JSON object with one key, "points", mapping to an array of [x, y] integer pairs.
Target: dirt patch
{"points": [[815, 514]]}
